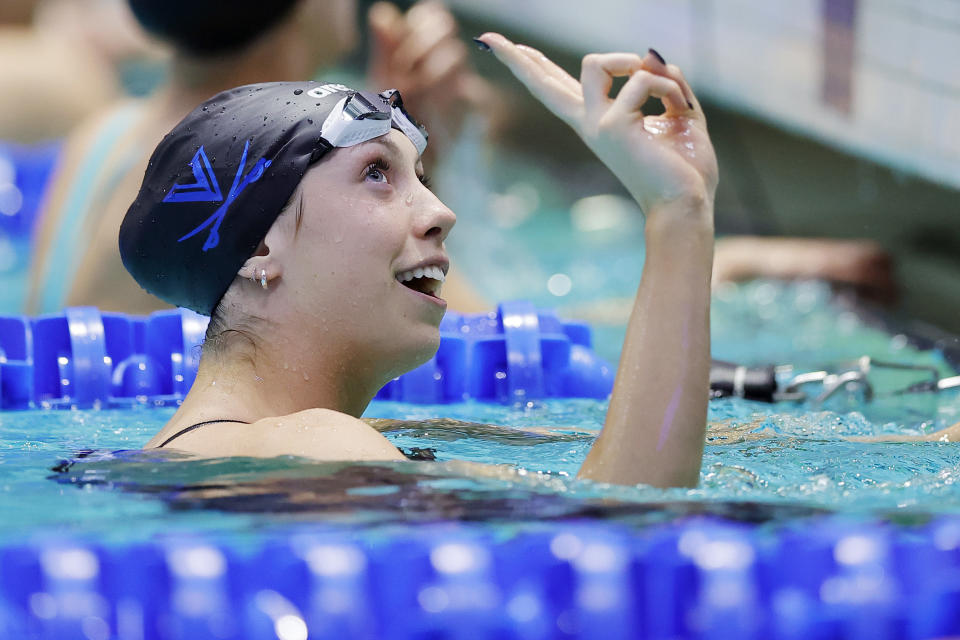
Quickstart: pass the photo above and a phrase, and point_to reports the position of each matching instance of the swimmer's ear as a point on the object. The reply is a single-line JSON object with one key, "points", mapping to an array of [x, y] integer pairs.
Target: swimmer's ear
{"points": [[264, 266]]}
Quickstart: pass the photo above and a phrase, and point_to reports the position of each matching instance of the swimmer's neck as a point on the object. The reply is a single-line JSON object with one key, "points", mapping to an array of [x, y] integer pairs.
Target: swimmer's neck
{"points": [[277, 384]]}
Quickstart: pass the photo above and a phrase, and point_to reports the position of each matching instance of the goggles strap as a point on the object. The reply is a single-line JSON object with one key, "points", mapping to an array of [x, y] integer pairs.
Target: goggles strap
{"points": [[410, 130]]}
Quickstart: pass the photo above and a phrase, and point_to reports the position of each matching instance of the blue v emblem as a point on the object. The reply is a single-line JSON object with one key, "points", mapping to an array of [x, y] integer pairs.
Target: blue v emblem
{"points": [[205, 188]]}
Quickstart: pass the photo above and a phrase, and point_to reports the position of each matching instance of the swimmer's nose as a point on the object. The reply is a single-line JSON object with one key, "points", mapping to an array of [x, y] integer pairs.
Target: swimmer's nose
{"points": [[436, 219]]}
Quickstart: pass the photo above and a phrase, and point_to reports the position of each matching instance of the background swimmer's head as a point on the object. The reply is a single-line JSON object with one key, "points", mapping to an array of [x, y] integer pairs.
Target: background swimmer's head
{"points": [[211, 28], [245, 189]]}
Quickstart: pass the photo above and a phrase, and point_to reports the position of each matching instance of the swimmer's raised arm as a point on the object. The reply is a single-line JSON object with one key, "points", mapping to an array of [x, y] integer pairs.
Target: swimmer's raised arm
{"points": [[655, 426]]}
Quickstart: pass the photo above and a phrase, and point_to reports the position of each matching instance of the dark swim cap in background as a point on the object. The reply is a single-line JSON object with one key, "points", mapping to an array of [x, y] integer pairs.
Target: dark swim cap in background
{"points": [[210, 27], [217, 182]]}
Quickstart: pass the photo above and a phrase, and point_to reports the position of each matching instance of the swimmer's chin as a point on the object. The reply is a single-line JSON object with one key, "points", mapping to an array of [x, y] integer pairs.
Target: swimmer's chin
{"points": [[415, 355]]}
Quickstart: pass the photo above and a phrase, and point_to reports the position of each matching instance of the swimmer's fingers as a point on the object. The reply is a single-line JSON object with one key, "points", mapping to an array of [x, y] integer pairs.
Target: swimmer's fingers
{"points": [[547, 85], [654, 64], [429, 31], [551, 69], [596, 77], [447, 60], [439, 67], [387, 31], [418, 54], [638, 90]]}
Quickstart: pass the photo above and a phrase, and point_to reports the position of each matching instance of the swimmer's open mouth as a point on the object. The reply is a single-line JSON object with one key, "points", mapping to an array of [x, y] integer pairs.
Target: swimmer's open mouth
{"points": [[426, 280]]}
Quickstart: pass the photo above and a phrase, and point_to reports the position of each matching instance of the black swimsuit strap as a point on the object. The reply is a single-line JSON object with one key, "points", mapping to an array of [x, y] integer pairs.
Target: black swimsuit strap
{"points": [[195, 426]]}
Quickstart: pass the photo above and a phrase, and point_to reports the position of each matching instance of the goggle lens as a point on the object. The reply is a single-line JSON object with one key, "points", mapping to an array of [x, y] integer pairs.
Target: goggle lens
{"points": [[367, 111], [360, 107]]}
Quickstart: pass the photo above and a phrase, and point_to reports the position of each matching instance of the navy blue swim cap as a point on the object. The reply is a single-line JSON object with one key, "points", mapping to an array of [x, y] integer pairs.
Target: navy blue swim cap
{"points": [[216, 183]]}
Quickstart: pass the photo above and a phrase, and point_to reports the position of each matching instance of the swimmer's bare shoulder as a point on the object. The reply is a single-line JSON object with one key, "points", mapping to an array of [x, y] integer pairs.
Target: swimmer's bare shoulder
{"points": [[320, 434]]}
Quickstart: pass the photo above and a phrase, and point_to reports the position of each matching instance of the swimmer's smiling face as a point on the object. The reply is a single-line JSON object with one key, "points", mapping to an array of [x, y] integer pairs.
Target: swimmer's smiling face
{"points": [[367, 259]]}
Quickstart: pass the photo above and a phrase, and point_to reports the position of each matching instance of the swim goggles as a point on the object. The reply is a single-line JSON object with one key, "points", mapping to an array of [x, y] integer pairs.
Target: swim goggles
{"points": [[364, 115]]}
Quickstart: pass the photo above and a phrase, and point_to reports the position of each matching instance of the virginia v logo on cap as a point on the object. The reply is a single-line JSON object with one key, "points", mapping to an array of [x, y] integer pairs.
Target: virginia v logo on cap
{"points": [[205, 188]]}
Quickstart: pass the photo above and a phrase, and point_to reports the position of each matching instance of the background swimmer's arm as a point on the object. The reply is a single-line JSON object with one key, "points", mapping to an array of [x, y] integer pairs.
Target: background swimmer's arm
{"points": [[654, 431], [862, 264], [449, 429], [950, 434]]}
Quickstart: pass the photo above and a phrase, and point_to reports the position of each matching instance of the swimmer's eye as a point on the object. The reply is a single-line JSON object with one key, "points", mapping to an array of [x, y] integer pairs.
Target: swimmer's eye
{"points": [[377, 170], [425, 181]]}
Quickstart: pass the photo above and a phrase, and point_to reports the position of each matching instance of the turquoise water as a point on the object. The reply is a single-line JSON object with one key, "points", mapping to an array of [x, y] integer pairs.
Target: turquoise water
{"points": [[762, 462]]}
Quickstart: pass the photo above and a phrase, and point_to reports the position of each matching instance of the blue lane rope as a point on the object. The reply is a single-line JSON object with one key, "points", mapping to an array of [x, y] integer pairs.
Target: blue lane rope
{"points": [[701, 579], [87, 358]]}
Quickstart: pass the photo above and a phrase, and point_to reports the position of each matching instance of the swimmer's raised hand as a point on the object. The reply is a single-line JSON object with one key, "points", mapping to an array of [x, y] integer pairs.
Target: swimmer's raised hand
{"points": [[655, 426], [420, 53], [661, 159]]}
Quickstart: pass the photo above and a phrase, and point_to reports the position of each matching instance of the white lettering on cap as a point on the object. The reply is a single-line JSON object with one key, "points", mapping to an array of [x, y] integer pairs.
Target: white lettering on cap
{"points": [[326, 89]]}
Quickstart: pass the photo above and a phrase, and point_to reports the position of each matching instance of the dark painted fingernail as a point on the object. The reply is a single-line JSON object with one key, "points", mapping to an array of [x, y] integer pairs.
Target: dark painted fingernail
{"points": [[657, 56], [689, 104], [483, 46]]}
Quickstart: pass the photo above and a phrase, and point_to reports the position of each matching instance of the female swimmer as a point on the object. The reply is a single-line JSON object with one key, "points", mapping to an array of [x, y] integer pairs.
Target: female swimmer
{"points": [[297, 216]]}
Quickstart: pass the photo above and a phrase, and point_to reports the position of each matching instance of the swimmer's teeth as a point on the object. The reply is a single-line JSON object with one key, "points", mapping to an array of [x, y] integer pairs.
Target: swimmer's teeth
{"points": [[432, 272], [430, 279]]}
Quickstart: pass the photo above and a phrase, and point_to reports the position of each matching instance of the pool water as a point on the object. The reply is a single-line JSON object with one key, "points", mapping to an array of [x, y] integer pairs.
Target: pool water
{"points": [[762, 462]]}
